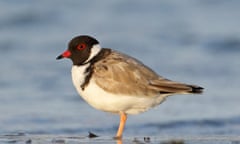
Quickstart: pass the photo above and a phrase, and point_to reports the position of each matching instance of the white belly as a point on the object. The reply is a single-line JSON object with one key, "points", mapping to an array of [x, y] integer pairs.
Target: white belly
{"points": [[105, 101]]}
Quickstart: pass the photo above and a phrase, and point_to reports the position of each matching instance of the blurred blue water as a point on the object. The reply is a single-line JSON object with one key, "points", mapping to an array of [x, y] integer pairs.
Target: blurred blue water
{"points": [[193, 41]]}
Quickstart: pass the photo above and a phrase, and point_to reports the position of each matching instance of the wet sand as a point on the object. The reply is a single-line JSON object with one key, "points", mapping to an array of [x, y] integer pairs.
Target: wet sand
{"points": [[72, 139]]}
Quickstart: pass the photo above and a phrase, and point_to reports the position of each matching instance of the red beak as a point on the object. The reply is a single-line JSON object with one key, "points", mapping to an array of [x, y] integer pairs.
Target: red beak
{"points": [[66, 54]]}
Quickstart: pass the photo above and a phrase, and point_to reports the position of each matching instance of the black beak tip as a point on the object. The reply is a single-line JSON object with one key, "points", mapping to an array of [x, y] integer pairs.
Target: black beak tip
{"points": [[59, 57]]}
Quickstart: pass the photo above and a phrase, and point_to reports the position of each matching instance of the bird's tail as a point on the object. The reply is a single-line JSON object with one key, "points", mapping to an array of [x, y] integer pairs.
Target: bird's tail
{"points": [[195, 89], [170, 87]]}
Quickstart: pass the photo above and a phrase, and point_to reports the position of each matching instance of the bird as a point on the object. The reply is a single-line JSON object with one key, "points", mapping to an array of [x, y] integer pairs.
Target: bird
{"points": [[115, 82]]}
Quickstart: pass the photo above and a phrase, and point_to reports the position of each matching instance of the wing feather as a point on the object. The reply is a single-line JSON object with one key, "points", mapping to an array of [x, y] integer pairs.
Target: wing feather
{"points": [[122, 74]]}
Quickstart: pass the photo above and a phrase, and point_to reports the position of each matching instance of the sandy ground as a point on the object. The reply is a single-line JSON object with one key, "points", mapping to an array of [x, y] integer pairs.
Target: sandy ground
{"points": [[64, 139]]}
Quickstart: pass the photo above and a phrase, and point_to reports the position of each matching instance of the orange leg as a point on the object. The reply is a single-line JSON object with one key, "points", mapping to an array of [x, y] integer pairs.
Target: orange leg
{"points": [[123, 119]]}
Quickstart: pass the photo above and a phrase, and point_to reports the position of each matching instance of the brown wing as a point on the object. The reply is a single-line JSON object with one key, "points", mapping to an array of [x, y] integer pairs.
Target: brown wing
{"points": [[123, 74]]}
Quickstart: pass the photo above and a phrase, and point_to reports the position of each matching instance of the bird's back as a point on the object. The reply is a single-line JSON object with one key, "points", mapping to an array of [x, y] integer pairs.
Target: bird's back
{"points": [[120, 73]]}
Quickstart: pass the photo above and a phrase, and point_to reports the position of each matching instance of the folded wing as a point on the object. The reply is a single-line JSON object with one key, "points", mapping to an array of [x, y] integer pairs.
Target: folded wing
{"points": [[123, 74]]}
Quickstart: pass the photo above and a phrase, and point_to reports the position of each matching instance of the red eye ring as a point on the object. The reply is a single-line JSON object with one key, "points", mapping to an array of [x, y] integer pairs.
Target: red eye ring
{"points": [[81, 46]]}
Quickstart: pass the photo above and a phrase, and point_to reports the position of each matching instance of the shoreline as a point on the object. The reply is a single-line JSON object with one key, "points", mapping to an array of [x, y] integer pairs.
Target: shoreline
{"points": [[34, 138]]}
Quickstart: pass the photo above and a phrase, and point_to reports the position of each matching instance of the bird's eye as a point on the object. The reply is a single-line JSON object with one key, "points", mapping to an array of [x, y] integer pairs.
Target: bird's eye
{"points": [[81, 46]]}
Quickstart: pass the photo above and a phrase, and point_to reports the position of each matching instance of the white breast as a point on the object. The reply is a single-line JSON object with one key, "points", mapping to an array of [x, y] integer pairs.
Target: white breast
{"points": [[105, 101], [78, 74]]}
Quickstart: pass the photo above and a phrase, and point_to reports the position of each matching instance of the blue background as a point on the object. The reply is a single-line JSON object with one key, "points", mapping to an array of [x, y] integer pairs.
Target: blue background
{"points": [[192, 41]]}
